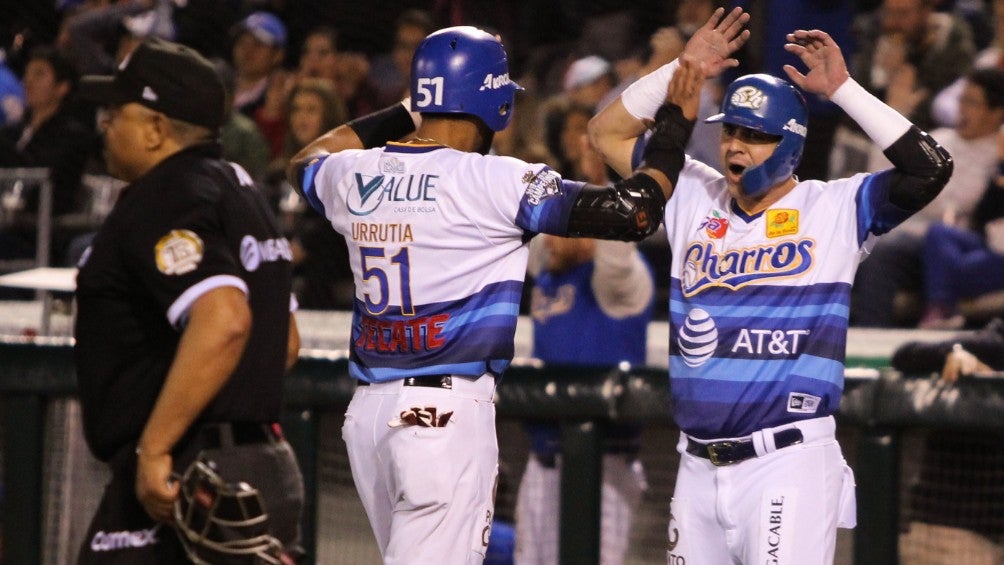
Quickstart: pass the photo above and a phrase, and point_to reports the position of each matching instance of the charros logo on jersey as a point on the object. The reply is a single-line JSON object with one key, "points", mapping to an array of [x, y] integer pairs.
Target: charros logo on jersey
{"points": [[255, 252], [705, 267], [372, 191]]}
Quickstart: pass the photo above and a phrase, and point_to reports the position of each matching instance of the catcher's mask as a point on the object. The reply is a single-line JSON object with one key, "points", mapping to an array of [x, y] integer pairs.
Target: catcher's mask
{"points": [[223, 523]]}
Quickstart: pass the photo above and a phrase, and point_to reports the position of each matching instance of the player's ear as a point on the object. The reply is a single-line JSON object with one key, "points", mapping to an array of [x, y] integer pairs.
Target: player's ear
{"points": [[156, 130]]}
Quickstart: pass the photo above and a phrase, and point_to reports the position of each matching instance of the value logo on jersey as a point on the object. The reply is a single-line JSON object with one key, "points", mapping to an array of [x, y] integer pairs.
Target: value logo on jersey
{"points": [[782, 222], [178, 252], [715, 225], [698, 338], [705, 267], [541, 186], [371, 191]]}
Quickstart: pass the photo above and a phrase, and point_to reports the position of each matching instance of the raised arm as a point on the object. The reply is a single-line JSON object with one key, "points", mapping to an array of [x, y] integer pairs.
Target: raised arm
{"points": [[615, 129], [922, 167], [631, 209], [372, 130]]}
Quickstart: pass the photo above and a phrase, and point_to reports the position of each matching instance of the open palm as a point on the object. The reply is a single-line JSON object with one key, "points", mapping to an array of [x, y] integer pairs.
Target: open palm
{"points": [[826, 67], [720, 37]]}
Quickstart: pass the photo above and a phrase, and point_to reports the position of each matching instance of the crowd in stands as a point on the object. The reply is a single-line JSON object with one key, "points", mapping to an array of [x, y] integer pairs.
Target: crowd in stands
{"points": [[295, 69]]}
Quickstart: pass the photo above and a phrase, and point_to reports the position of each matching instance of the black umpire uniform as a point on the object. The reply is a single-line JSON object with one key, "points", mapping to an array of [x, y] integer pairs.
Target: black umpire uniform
{"points": [[190, 224]]}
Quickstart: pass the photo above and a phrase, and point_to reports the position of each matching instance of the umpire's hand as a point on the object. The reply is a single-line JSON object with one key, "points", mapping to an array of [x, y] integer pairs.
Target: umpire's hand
{"points": [[155, 488]]}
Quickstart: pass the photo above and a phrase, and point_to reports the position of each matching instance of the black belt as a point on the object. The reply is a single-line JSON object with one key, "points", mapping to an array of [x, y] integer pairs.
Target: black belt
{"points": [[723, 453], [214, 435], [430, 381]]}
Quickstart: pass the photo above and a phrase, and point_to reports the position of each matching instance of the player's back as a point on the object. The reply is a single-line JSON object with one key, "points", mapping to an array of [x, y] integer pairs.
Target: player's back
{"points": [[437, 256]]}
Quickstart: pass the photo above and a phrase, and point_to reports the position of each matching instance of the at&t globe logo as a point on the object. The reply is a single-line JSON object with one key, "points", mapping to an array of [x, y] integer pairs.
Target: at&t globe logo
{"points": [[698, 338]]}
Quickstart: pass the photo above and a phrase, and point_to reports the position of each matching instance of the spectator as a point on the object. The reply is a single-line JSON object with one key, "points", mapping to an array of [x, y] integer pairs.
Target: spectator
{"points": [[955, 517], [347, 71], [322, 279], [945, 108], [894, 266], [258, 52], [11, 94], [962, 263], [588, 80], [97, 39], [242, 141], [390, 73], [907, 40], [49, 137]]}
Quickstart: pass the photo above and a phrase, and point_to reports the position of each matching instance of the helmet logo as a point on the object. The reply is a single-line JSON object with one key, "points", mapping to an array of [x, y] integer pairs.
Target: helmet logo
{"points": [[795, 127], [493, 82], [748, 97]]}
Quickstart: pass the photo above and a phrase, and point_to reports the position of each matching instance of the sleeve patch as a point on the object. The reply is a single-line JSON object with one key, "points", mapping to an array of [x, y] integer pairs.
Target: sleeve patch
{"points": [[541, 186], [178, 252]]}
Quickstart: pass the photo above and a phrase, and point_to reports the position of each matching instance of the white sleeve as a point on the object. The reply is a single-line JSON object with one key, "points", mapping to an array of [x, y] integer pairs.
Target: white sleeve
{"points": [[882, 124], [621, 282], [643, 98]]}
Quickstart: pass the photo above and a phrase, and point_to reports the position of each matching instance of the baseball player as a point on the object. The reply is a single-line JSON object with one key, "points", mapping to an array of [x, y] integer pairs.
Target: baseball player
{"points": [[437, 234], [591, 304], [184, 330], [759, 291]]}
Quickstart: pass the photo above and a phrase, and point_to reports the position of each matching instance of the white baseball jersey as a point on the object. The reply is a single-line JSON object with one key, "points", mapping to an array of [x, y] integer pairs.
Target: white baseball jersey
{"points": [[759, 305], [437, 240]]}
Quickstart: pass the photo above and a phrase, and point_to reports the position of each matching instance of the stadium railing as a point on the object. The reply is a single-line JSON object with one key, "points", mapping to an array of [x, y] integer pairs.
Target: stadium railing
{"points": [[880, 406]]}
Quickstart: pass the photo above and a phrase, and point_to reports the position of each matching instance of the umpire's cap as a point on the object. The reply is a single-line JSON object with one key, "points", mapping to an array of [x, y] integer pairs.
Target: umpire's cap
{"points": [[166, 77]]}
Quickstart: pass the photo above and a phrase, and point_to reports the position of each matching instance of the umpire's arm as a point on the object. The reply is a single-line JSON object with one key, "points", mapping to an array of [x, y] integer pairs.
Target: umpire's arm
{"points": [[211, 345]]}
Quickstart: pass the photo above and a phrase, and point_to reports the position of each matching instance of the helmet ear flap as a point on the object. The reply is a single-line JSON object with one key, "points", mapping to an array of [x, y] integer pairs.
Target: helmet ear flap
{"points": [[777, 168]]}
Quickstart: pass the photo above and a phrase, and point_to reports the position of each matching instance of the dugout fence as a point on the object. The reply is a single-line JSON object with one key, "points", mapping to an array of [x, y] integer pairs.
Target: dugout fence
{"points": [[51, 485]]}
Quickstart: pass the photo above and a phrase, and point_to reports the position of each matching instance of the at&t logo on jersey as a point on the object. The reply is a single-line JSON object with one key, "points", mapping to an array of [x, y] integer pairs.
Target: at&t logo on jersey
{"points": [[704, 267], [698, 338], [371, 191]]}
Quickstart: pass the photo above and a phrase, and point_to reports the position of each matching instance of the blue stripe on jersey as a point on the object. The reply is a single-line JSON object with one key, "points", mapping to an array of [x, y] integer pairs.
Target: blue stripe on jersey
{"points": [[715, 371], [875, 213], [731, 414], [308, 176], [812, 300], [549, 215], [467, 336]]}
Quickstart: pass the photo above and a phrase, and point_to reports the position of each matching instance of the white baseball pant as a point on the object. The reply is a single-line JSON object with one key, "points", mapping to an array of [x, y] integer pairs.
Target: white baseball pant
{"points": [[428, 491], [780, 508], [538, 510]]}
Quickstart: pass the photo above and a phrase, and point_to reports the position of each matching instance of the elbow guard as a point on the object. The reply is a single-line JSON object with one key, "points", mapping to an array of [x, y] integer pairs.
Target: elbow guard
{"points": [[922, 169], [629, 210]]}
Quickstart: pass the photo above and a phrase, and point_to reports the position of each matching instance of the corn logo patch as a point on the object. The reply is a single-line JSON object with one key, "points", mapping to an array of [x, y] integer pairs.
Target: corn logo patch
{"points": [[178, 252], [782, 222]]}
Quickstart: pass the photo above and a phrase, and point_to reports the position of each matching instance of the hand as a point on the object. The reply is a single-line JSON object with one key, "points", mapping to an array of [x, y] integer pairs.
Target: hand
{"points": [[685, 88], [903, 95], [155, 489], [717, 39], [960, 363], [827, 68]]}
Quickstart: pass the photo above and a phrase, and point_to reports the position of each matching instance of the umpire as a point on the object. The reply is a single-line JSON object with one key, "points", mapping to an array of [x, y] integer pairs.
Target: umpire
{"points": [[184, 329]]}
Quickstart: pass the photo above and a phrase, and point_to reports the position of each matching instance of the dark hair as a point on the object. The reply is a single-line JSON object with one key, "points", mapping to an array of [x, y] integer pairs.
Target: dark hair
{"points": [[991, 80], [62, 68], [324, 30]]}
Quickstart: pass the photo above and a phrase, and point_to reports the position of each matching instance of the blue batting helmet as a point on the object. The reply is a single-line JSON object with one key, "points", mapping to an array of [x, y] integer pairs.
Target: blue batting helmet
{"points": [[770, 105], [463, 70]]}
